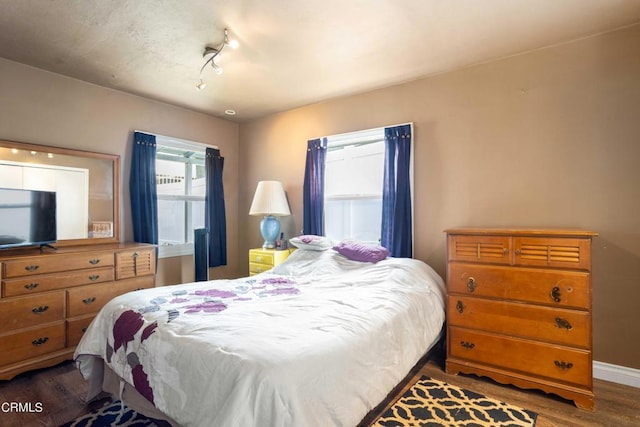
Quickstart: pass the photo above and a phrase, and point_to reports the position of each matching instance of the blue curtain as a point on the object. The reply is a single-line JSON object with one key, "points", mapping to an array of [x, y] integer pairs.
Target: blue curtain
{"points": [[396, 194], [142, 189], [313, 191], [215, 218]]}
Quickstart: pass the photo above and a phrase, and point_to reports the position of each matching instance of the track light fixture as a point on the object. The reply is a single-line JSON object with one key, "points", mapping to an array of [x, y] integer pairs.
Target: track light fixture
{"points": [[211, 54]]}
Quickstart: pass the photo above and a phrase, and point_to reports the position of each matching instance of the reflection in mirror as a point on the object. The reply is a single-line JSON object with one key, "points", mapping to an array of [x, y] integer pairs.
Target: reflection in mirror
{"points": [[86, 186]]}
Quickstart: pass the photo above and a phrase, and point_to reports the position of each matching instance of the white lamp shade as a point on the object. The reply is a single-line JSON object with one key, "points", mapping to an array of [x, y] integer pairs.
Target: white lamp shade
{"points": [[270, 199]]}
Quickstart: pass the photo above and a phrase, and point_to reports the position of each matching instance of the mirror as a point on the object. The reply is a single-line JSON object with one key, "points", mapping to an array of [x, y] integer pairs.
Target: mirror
{"points": [[86, 186]]}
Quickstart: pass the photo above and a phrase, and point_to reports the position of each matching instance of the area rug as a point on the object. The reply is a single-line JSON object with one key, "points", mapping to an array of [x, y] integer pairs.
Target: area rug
{"points": [[431, 402], [114, 414]]}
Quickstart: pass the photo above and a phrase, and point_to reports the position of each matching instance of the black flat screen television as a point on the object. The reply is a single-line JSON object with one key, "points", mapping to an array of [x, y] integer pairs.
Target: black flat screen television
{"points": [[27, 217]]}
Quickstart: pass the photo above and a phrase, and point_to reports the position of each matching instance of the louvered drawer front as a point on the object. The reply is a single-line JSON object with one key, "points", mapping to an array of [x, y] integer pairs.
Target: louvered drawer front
{"points": [[566, 327], [47, 282], [554, 288], [553, 252], [135, 263], [571, 366], [22, 312], [55, 263], [76, 328], [33, 342], [484, 249]]}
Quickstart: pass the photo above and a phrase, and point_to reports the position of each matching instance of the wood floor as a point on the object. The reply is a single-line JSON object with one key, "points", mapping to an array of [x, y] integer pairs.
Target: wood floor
{"points": [[61, 391]]}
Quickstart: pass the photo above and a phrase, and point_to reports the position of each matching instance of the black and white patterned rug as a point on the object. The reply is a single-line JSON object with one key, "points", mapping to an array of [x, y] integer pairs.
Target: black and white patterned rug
{"points": [[431, 402], [115, 414]]}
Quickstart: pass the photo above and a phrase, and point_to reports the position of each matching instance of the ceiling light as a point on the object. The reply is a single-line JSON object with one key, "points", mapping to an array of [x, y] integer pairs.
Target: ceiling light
{"points": [[212, 54], [230, 112], [201, 85]]}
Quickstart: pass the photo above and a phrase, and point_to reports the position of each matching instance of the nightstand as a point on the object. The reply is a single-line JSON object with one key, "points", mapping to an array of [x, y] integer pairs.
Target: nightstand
{"points": [[261, 260]]}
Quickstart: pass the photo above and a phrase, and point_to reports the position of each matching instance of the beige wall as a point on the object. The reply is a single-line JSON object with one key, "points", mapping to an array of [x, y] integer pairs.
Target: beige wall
{"points": [[44, 108], [550, 138]]}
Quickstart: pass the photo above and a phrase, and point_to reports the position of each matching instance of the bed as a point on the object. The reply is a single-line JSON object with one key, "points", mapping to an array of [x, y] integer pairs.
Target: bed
{"points": [[319, 340]]}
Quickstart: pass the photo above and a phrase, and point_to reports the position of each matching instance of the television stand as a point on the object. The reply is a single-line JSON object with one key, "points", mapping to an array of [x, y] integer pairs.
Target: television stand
{"points": [[46, 245]]}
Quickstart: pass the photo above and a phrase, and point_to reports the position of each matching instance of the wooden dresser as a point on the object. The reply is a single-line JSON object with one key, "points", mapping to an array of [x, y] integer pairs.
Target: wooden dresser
{"points": [[49, 297], [519, 308]]}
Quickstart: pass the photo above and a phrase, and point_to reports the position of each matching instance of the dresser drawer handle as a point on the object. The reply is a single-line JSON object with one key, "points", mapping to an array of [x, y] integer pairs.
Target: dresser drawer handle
{"points": [[471, 284], [84, 329], [94, 261], [135, 254], [31, 286], [563, 323], [555, 294], [563, 365], [32, 267], [94, 277], [89, 300], [40, 341], [41, 309], [259, 258], [460, 307], [466, 344]]}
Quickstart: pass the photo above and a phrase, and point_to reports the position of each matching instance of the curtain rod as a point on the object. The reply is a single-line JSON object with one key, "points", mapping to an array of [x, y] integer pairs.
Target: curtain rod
{"points": [[364, 130], [182, 141]]}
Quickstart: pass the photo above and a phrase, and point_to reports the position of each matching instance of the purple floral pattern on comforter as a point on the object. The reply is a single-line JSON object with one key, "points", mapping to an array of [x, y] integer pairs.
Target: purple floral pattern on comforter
{"points": [[133, 327]]}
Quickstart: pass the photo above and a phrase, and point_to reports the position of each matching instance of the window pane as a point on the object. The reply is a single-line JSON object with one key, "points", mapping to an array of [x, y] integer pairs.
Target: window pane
{"points": [[358, 219], [197, 217], [171, 220], [172, 226]]}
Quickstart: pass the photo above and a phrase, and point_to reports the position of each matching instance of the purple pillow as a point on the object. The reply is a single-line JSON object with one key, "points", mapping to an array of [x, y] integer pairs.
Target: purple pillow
{"points": [[357, 251]]}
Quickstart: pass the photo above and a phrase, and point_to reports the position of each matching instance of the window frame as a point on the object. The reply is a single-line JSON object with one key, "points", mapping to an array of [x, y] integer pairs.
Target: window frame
{"points": [[184, 249], [365, 135], [357, 138]]}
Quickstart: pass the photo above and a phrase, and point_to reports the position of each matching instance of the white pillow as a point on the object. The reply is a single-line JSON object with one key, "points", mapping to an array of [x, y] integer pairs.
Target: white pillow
{"points": [[312, 242]]}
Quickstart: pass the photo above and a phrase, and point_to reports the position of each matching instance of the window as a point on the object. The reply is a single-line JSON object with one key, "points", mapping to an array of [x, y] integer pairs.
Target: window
{"points": [[354, 174], [181, 184]]}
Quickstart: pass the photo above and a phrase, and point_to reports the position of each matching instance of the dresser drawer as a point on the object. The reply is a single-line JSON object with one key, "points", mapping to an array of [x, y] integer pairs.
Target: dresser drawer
{"points": [[572, 253], [76, 328], [47, 282], [89, 299], [554, 325], [567, 365], [135, 284], [482, 249], [54, 263], [135, 262], [22, 312], [551, 287], [26, 344]]}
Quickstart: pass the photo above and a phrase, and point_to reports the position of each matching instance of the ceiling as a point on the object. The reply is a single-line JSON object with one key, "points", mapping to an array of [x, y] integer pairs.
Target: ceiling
{"points": [[292, 52]]}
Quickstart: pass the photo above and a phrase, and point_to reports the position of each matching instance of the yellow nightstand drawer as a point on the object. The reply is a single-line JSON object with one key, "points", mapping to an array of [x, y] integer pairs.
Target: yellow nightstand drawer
{"points": [[261, 257], [261, 260]]}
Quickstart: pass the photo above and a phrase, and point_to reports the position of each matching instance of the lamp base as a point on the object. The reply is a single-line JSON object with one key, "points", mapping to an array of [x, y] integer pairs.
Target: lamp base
{"points": [[270, 229]]}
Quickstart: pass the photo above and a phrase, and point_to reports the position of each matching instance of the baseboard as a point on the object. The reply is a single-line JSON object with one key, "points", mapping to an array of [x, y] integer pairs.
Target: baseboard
{"points": [[616, 373]]}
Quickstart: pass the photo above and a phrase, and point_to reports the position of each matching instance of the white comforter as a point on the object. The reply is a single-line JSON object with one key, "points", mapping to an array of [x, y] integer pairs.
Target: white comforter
{"points": [[318, 341]]}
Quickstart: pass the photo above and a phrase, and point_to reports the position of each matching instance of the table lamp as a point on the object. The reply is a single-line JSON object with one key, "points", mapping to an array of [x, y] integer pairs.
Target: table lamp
{"points": [[270, 201]]}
